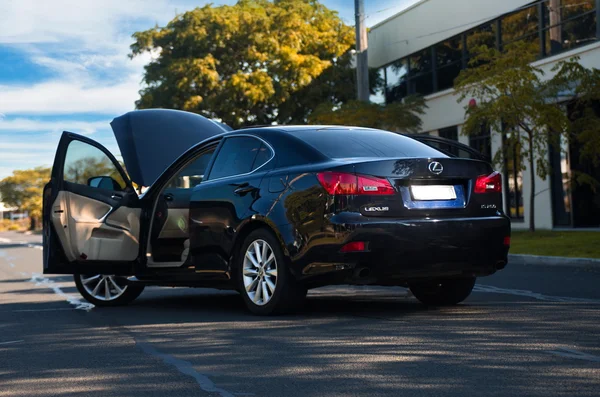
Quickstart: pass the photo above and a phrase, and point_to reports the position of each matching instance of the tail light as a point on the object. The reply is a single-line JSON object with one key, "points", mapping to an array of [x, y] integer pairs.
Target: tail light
{"points": [[489, 183], [343, 183], [354, 246]]}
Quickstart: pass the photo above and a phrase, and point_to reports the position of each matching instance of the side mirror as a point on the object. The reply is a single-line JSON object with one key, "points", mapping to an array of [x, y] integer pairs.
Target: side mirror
{"points": [[104, 182]]}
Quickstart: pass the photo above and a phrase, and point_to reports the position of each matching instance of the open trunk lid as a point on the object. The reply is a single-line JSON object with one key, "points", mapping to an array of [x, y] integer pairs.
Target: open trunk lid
{"points": [[151, 140]]}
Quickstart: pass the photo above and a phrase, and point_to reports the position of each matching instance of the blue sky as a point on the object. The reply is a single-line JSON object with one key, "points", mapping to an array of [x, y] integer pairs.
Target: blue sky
{"points": [[64, 66]]}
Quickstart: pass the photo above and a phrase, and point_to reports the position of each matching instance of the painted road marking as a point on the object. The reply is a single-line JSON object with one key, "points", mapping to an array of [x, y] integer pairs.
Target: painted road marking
{"points": [[570, 353], [23, 243], [40, 310], [531, 294], [11, 342], [41, 281], [185, 367]]}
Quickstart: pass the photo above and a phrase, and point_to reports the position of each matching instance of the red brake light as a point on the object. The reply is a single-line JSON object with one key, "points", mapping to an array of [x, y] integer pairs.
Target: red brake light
{"points": [[355, 246], [489, 183], [507, 241], [344, 183], [374, 186], [338, 183]]}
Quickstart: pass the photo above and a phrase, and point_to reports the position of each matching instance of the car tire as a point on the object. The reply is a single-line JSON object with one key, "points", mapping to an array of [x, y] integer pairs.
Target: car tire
{"points": [[446, 292], [266, 273], [86, 286]]}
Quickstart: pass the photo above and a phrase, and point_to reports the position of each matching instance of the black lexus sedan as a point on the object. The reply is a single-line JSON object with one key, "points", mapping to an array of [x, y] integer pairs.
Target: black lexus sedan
{"points": [[270, 211]]}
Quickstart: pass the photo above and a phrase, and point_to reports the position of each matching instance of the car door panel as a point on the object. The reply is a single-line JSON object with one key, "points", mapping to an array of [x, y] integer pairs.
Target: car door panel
{"points": [[127, 219], [89, 228], [215, 214], [219, 206]]}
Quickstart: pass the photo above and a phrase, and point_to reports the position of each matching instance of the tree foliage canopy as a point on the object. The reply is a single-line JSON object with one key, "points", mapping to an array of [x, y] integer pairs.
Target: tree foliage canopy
{"points": [[398, 116], [515, 98], [23, 189], [247, 63], [512, 95]]}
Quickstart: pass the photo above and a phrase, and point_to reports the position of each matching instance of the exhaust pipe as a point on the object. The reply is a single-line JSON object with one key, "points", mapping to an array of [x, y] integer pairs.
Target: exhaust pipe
{"points": [[362, 272]]}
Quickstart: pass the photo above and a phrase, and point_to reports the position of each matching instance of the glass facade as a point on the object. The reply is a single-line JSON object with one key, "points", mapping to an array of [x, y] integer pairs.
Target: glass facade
{"points": [[513, 178], [561, 184], [449, 133], [482, 142], [550, 26]]}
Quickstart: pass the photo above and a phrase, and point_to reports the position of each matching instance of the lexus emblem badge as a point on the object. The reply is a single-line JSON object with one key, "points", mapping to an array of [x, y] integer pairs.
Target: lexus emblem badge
{"points": [[435, 167]]}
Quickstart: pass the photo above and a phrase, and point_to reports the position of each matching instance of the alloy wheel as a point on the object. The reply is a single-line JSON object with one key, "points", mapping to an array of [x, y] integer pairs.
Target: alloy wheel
{"points": [[104, 287], [260, 272]]}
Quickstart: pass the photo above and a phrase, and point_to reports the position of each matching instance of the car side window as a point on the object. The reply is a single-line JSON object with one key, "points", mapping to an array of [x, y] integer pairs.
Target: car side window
{"points": [[193, 173], [264, 155], [239, 155], [87, 165]]}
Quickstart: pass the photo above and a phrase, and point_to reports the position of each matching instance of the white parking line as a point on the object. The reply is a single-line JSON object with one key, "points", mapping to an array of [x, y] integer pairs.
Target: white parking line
{"points": [[23, 243], [570, 353], [531, 294], [186, 368], [42, 310], [11, 342], [39, 280]]}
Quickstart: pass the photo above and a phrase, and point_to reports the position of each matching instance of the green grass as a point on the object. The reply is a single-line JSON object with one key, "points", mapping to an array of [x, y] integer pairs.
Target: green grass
{"points": [[549, 243]]}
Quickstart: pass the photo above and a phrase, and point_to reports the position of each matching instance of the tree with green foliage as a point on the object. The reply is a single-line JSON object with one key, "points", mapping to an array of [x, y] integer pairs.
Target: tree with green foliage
{"points": [[247, 63], [582, 88], [82, 170], [515, 98], [398, 116], [23, 189], [260, 62]]}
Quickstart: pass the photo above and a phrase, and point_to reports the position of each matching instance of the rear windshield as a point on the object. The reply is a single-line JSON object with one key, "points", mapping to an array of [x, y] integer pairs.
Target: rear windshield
{"points": [[344, 143]]}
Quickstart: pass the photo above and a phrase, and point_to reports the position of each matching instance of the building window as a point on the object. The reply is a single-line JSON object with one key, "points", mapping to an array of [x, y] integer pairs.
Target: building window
{"points": [[561, 183], [522, 25], [484, 35], [513, 175], [396, 76], [482, 141], [448, 61], [449, 133], [561, 25], [420, 75], [378, 95], [569, 24]]}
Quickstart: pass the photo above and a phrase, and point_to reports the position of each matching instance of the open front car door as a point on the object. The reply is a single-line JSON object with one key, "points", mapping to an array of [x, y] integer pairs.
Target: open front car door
{"points": [[91, 212]]}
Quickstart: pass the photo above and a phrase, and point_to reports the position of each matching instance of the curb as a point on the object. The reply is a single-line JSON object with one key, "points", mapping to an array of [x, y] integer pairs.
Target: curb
{"points": [[537, 260]]}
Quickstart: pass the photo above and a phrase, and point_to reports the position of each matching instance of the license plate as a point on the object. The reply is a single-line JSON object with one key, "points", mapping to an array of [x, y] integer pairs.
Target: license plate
{"points": [[433, 192]]}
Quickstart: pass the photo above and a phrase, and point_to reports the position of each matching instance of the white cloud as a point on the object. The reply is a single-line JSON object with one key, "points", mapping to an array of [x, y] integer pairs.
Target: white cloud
{"points": [[85, 43], [68, 97], [87, 21], [30, 125]]}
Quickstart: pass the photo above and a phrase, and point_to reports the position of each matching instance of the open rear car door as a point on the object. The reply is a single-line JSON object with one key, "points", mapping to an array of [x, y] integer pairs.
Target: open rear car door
{"points": [[91, 212]]}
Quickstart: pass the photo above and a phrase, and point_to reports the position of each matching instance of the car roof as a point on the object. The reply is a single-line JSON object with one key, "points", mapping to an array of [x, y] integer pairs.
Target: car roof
{"points": [[292, 128]]}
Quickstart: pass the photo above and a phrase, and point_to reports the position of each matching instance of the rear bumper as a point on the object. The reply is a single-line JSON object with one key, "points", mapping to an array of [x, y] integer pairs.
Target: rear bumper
{"points": [[399, 250]]}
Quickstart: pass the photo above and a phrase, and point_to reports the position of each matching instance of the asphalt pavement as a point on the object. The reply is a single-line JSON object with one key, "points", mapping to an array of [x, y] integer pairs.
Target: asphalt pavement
{"points": [[526, 331]]}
